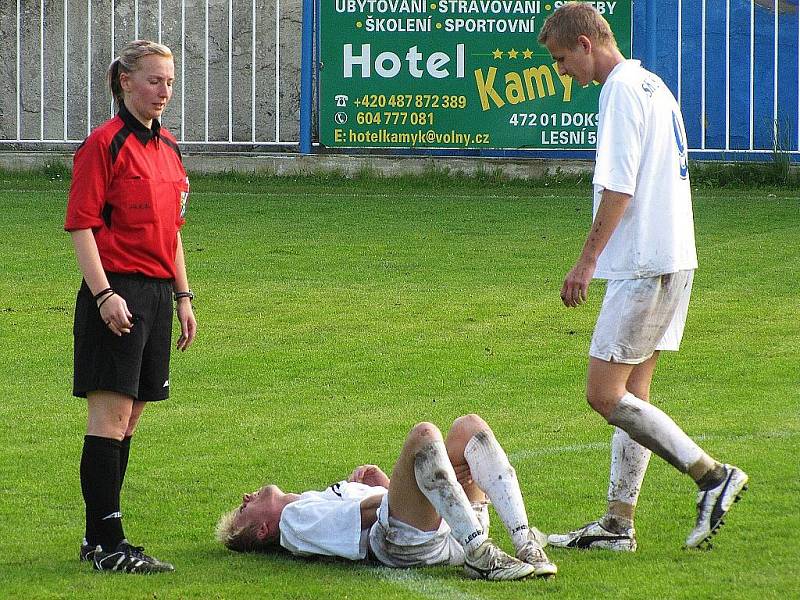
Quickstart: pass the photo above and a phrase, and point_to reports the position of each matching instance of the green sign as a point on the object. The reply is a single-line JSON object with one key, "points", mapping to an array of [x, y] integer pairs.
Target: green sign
{"points": [[451, 74]]}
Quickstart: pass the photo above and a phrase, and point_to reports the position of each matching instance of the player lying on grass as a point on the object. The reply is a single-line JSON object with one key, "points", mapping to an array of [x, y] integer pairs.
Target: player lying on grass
{"points": [[433, 511]]}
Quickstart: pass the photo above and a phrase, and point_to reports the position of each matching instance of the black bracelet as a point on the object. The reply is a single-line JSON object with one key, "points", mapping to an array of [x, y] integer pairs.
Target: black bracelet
{"points": [[113, 293], [188, 294], [102, 293]]}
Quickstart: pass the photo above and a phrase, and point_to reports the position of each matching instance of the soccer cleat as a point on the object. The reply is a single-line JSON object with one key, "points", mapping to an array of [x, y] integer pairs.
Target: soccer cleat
{"points": [[594, 535], [533, 554], [487, 561], [86, 553], [537, 536], [128, 559], [713, 504]]}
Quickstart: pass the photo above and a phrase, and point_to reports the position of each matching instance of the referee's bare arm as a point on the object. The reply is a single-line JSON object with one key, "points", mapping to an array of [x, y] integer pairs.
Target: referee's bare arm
{"points": [[113, 310], [185, 311]]}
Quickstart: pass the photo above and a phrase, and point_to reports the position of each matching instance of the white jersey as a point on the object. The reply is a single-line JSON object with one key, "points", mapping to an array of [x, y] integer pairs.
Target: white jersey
{"points": [[328, 522], [641, 151]]}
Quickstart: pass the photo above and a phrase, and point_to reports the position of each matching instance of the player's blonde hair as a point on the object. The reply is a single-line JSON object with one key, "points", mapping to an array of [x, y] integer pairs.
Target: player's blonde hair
{"points": [[242, 538], [572, 20], [128, 61]]}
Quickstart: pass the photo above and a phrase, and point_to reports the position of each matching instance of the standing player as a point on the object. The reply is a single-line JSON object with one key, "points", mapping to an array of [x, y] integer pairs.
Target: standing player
{"points": [[433, 510], [642, 242], [126, 207]]}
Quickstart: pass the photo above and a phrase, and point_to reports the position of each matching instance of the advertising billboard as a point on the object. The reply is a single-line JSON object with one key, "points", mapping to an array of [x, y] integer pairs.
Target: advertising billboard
{"points": [[465, 74]]}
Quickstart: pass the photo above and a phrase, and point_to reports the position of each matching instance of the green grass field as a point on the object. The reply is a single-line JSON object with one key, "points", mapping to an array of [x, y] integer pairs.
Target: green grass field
{"points": [[334, 315]]}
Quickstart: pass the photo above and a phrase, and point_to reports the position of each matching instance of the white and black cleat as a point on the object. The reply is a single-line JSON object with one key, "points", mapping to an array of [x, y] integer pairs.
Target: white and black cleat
{"points": [[714, 504], [488, 561], [594, 536], [533, 554]]}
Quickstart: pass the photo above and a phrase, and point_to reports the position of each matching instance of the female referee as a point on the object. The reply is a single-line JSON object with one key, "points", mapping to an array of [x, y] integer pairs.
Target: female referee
{"points": [[126, 206]]}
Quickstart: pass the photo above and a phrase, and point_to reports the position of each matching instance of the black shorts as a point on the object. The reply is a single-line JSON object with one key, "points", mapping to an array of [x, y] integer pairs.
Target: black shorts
{"points": [[136, 363]]}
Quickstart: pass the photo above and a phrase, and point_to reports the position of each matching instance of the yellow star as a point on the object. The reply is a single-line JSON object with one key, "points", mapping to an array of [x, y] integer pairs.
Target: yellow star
{"points": [[527, 53], [512, 53], [497, 53]]}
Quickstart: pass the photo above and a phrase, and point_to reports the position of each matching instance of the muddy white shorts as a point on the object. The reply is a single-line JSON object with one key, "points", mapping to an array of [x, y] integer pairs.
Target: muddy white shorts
{"points": [[397, 544], [640, 316]]}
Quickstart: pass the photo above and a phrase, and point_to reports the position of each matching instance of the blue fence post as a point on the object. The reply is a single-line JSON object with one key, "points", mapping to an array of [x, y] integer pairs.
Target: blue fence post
{"points": [[307, 77], [651, 33]]}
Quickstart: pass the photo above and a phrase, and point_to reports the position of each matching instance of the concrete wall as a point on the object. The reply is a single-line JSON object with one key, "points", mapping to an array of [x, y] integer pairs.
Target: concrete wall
{"points": [[85, 61]]}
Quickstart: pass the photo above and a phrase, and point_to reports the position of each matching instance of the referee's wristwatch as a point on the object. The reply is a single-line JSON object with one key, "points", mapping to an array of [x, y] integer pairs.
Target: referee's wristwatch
{"points": [[187, 294]]}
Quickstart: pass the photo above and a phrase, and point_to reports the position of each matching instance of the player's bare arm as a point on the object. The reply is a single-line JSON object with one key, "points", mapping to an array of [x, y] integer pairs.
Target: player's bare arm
{"points": [[369, 510], [612, 207], [371, 475]]}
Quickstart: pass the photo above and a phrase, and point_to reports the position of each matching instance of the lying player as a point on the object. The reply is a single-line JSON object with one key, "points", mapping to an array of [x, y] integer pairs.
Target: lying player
{"points": [[433, 511]]}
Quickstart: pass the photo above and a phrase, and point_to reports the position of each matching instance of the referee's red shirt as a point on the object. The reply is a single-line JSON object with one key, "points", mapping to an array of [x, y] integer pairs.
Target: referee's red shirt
{"points": [[130, 188]]}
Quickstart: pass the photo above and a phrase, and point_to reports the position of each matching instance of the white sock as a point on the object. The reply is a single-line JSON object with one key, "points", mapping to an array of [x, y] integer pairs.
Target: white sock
{"points": [[437, 481], [653, 429], [629, 461], [492, 472], [481, 509]]}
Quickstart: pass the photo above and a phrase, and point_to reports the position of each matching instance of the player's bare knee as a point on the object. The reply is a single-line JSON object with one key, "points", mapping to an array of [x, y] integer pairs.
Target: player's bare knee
{"points": [[424, 429], [467, 426], [422, 434], [601, 403]]}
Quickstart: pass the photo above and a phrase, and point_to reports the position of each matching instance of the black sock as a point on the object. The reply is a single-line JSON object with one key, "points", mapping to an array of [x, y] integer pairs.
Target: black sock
{"points": [[124, 452], [100, 486]]}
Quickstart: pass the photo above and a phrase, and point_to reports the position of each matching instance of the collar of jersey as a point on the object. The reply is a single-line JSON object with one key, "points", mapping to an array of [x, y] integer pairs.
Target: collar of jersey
{"points": [[142, 133]]}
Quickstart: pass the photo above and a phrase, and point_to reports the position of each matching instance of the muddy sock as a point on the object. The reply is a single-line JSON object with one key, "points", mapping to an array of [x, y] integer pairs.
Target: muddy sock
{"points": [[437, 481], [629, 461], [493, 473], [654, 430]]}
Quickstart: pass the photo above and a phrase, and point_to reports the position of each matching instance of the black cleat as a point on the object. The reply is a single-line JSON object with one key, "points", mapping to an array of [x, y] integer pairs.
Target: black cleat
{"points": [[86, 553], [129, 559]]}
